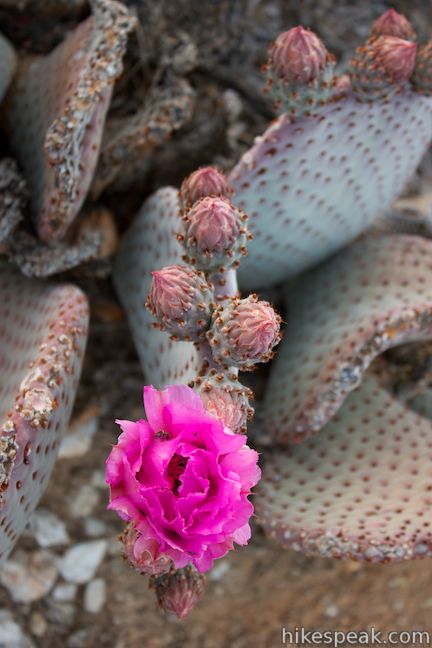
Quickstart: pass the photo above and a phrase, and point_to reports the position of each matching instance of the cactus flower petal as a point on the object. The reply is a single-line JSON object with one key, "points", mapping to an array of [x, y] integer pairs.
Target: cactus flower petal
{"points": [[186, 480]]}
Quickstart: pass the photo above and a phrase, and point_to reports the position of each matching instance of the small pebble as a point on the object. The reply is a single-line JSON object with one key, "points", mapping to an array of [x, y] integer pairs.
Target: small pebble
{"points": [[38, 624], [95, 596], [80, 563], [94, 528], [65, 593], [83, 503], [11, 635], [29, 577], [78, 441], [331, 611], [48, 529]]}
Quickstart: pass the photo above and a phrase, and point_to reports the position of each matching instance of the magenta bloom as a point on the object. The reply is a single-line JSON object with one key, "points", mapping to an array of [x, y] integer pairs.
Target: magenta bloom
{"points": [[182, 480]]}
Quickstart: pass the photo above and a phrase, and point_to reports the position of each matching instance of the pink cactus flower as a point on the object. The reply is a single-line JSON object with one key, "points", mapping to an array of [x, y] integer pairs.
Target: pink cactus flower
{"points": [[392, 23], [298, 56], [182, 479]]}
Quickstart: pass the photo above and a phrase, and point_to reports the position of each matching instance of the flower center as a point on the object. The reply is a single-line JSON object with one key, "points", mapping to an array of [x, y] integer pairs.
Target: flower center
{"points": [[176, 468]]}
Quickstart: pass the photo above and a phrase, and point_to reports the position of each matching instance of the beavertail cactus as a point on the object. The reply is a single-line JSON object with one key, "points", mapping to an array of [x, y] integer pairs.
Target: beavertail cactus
{"points": [[370, 297], [360, 489], [43, 330], [192, 427], [313, 182], [60, 102]]}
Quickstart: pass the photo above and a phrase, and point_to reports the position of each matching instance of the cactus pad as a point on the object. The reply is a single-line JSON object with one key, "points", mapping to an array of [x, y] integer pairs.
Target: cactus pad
{"points": [[368, 298], [59, 101], [149, 245], [13, 197], [42, 333], [312, 185], [361, 489]]}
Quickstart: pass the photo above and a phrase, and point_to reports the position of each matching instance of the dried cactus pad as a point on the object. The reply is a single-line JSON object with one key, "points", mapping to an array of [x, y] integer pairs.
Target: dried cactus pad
{"points": [[7, 64], [42, 340], [368, 298], [312, 185], [151, 244], [361, 489], [56, 113]]}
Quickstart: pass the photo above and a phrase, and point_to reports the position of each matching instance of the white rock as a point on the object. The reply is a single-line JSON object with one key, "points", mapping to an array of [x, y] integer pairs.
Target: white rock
{"points": [[221, 568], [60, 614], [94, 528], [38, 624], [82, 503], [65, 593], [331, 611], [11, 635], [48, 529], [29, 577], [81, 562], [99, 480], [78, 441], [95, 596]]}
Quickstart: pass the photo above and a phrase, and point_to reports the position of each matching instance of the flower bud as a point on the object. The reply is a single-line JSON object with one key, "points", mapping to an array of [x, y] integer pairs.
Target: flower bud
{"points": [[395, 56], [227, 399], [298, 56], [392, 23], [422, 77], [214, 234], [179, 591], [300, 73], [244, 332], [143, 553], [382, 67], [203, 183], [180, 299]]}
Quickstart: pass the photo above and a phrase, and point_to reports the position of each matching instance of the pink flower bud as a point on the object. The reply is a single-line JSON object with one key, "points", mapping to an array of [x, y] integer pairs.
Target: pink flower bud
{"points": [[298, 56], [144, 553], [392, 23], [395, 56], [422, 77], [203, 183], [226, 399], [179, 591], [180, 300], [244, 332], [215, 233]]}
